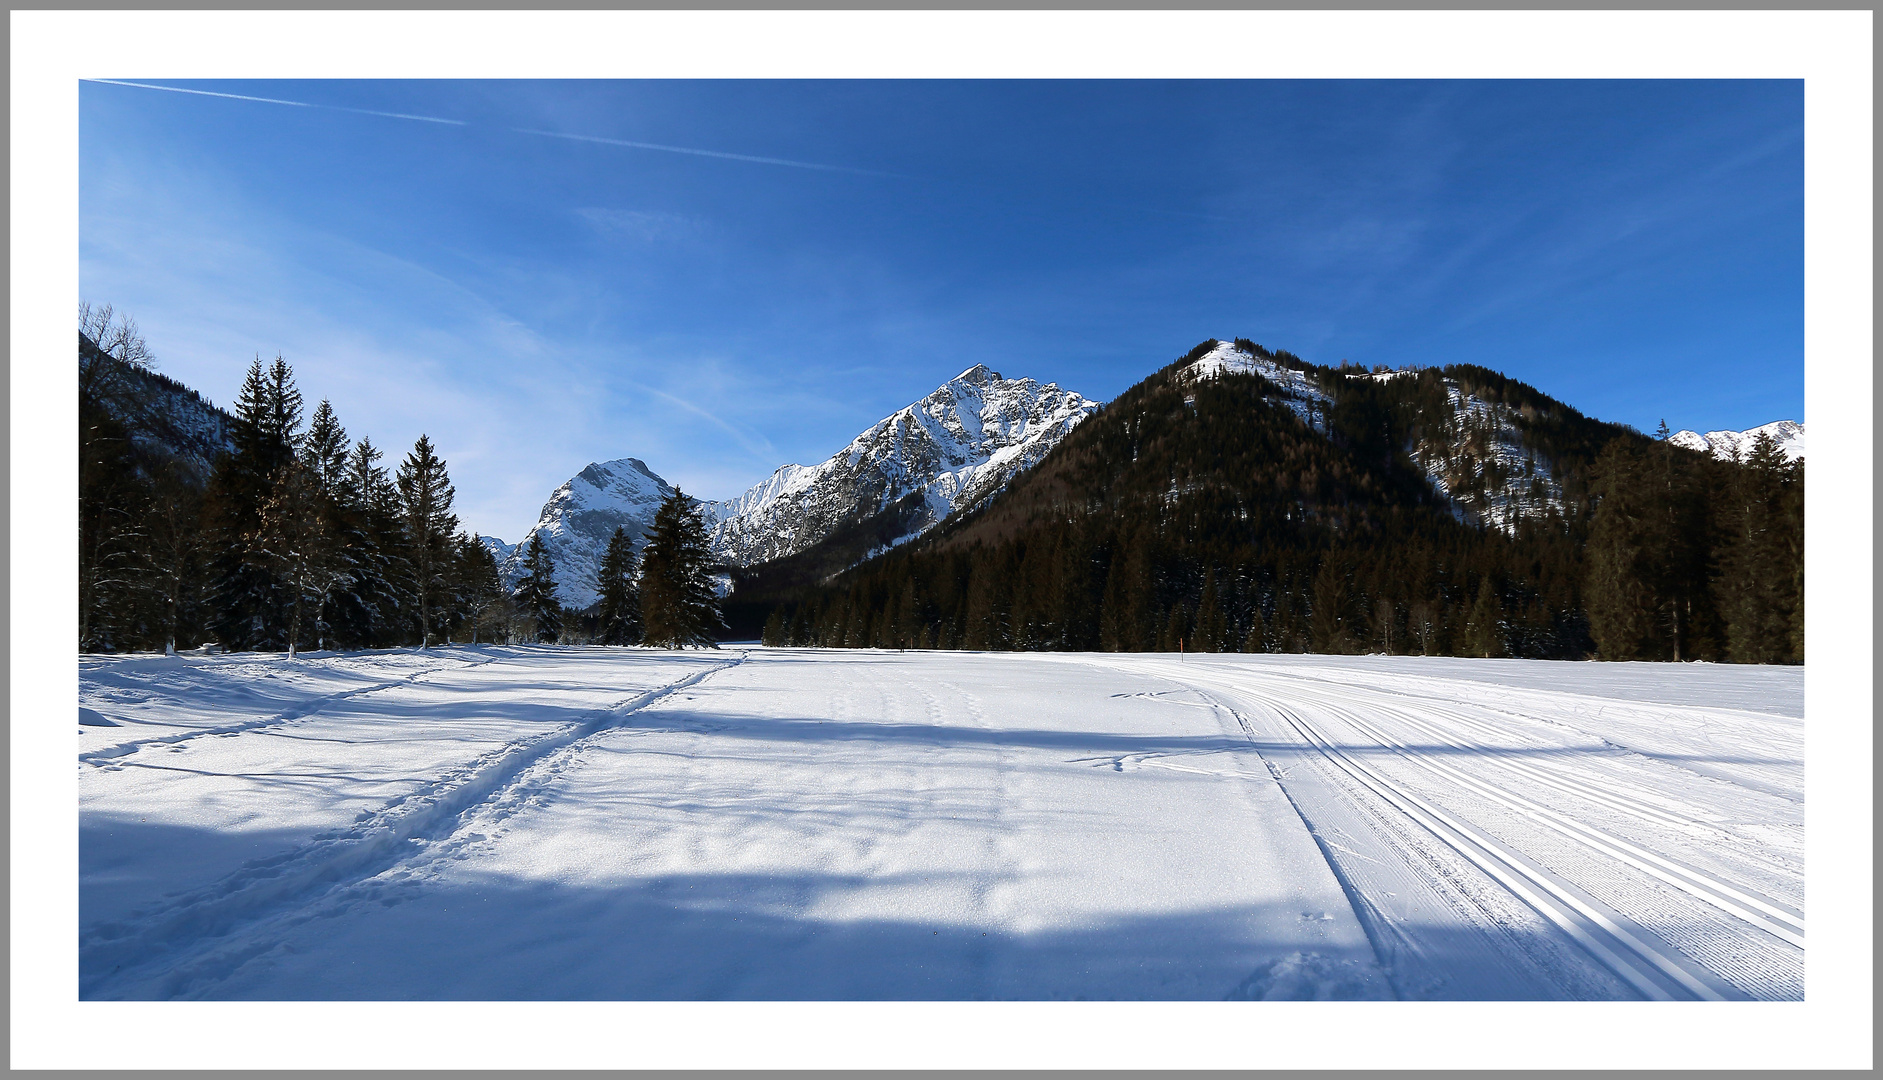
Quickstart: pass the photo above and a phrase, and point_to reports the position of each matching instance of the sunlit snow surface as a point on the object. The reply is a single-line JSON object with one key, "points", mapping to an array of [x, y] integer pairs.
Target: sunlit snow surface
{"points": [[514, 822]]}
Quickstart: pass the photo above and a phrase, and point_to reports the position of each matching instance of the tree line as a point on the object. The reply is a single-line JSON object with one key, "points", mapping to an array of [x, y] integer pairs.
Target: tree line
{"points": [[293, 536]]}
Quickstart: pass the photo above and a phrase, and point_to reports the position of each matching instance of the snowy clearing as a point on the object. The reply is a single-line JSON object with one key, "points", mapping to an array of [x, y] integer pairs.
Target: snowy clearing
{"points": [[592, 823]]}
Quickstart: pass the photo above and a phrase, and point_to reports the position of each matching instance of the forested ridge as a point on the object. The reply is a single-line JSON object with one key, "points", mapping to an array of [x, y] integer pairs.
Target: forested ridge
{"points": [[1207, 516], [267, 529]]}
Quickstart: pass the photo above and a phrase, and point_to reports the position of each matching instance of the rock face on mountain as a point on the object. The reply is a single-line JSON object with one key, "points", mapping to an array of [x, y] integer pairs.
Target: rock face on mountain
{"points": [[951, 450], [582, 515], [1789, 434]]}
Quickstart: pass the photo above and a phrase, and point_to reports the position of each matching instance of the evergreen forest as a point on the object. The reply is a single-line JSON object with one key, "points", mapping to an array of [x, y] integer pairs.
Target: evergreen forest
{"points": [[268, 529]]}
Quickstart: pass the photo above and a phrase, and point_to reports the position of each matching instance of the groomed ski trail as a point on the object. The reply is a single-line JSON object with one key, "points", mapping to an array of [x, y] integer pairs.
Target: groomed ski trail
{"points": [[1646, 962]]}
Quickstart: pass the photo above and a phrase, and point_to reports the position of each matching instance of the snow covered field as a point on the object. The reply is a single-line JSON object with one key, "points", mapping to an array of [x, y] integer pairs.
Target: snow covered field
{"points": [[556, 823]]}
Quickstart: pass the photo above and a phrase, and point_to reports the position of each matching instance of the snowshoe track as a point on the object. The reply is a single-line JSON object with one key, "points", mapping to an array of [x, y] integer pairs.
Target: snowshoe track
{"points": [[166, 952], [105, 756]]}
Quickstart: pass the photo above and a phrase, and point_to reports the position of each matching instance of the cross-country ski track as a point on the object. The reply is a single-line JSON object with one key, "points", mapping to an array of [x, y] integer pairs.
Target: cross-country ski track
{"points": [[491, 822]]}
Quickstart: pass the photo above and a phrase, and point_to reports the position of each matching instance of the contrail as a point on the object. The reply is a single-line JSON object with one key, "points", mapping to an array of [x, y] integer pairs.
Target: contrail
{"points": [[764, 454], [521, 131], [707, 153], [279, 101]]}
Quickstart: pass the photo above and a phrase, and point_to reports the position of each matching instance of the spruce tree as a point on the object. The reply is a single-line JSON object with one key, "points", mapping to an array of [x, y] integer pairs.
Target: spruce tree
{"points": [[1212, 630], [536, 591], [1484, 634], [425, 494], [620, 604], [480, 586], [245, 590], [679, 598]]}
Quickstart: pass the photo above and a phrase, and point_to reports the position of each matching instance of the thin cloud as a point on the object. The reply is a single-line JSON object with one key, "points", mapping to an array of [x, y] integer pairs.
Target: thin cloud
{"points": [[695, 151], [706, 153], [280, 101], [763, 450]]}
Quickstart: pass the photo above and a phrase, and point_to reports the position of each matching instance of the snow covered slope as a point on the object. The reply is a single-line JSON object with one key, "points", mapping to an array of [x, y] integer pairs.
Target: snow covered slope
{"points": [[582, 514], [1299, 390], [1789, 434], [499, 549], [1473, 450], [955, 447], [546, 823]]}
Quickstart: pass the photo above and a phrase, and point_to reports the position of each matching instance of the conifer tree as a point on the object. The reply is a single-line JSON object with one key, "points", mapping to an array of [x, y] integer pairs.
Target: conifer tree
{"points": [[1328, 616], [1212, 630], [324, 451], [536, 591], [266, 434], [1762, 563], [289, 542], [374, 610], [1483, 629], [679, 599], [620, 598], [425, 493], [479, 583]]}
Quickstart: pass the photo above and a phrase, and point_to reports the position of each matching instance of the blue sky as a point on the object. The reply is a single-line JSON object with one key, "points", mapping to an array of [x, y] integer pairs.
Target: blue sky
{"points": [[535, 295]]}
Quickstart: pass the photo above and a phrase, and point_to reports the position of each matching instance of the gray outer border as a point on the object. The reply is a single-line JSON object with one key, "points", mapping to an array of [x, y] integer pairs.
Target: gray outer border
{"points": [[6, 427]]}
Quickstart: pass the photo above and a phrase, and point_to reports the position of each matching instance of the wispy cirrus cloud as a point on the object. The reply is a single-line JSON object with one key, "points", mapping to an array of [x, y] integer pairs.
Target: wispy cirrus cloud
{"points": [[644, 225]]}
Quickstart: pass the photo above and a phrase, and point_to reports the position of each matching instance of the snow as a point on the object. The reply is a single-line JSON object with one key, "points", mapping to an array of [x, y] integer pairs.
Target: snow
{"points": [[580, 518], [1299, 391], [591, 823], [1789, 434], [1478, 437], [955, 447]]}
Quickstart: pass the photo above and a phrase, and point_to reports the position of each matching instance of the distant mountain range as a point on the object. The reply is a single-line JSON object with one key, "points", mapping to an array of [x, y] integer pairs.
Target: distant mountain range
{"points": [[1491, 455], [1789, 434], [950, 450]]}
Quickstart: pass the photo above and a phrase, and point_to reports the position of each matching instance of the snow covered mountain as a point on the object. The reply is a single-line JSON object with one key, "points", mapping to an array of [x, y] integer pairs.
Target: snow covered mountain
{"points": [[1789, 434], [952, 449], [1478, 451], [579, 518], [498, 549]]}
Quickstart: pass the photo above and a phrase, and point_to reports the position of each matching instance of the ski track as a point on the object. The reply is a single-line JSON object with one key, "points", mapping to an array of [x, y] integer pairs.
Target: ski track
{"points": [[185, 946], [1475, 818], [107, 756]]}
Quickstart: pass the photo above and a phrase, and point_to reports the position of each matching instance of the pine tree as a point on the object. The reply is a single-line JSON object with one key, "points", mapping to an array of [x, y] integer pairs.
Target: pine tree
{"points": [[479, 583], [373, 611], [324, 451], [620, 603], [339, 539], [1484, 635], [289, 543], [1257, 639], [536, 591], [679, 598], [425, 492], [1212, 630], [1762, 565], [1328, 617], [245, 591]]}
